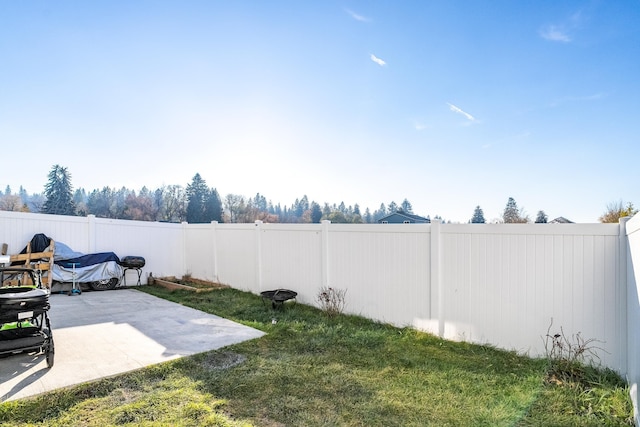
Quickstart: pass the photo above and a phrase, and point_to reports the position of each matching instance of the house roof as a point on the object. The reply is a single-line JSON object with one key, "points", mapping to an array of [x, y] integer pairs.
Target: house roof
{"points": [[413, 217], [561, 220]]}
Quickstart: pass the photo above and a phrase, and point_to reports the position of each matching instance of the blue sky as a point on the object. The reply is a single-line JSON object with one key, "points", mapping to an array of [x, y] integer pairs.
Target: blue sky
{"points": [[450, 104]]}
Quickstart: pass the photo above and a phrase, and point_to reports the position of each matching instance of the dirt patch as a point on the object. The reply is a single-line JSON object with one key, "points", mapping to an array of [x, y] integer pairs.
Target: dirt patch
{"points": [[222, 360], [186, 283]]}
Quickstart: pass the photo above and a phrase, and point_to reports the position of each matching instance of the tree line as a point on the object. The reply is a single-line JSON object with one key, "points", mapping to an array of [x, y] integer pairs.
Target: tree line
{"points": [[514, 215], [195, 203], [199, 203]]}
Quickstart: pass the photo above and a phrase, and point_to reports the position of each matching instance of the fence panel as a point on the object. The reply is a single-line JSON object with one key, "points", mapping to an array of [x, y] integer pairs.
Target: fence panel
{"points": [[237, 255], [161, 244], [291, 258], [200, 251], [385, 269], [504, 283], [18, 228]]}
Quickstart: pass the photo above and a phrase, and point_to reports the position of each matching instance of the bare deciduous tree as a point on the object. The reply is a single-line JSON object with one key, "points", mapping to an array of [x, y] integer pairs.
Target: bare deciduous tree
{"points": [[12, 203], [234, 205], [617, 210]]}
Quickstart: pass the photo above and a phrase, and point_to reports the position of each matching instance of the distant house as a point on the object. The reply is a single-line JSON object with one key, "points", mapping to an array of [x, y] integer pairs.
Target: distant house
{"points": [[401, 217], [561, 220]]}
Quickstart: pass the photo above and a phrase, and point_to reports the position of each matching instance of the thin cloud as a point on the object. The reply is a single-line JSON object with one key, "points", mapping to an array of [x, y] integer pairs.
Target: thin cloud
{"points": [[419, 126], [357, 16], [578, 18], [460, 111], [378, 61], [592, 97], [564, 31], [555, 34]]}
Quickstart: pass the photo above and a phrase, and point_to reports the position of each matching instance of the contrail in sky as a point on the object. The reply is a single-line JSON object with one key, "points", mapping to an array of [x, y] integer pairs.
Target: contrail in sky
{"points": [[460, 111]]}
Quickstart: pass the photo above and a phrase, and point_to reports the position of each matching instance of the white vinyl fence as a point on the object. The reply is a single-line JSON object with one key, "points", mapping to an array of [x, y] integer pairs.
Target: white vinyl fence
{"points": [[500, 284], [633, 310], [161, 244]]}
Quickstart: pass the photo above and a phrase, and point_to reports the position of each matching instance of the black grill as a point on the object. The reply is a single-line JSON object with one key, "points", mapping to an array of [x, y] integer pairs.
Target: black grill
{"points": [[132, 262]]}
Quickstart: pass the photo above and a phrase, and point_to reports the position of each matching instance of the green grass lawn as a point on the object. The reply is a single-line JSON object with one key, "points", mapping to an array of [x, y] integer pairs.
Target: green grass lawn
{"points": [[311, 370]]}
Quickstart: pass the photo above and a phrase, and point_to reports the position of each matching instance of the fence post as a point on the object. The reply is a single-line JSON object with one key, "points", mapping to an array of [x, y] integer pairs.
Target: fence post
{"points": [[325, 252], [633, 317], [621, 291], [259, 254], [91, 233], [437, 292], [214, 250], [184, 248]]}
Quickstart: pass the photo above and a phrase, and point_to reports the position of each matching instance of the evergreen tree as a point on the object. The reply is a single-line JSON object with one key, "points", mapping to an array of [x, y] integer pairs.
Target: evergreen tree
{"points": [[478, 216], [367, 216], [80, 199], [296, 208], [512, 215], [197, 193], [24, 197], [36, 201], [158, 204], [260, 203], [119, 206], [316, 213], [380, 213], [393, 207], [79, 196], [541, 218], [213, 206], [59, 193], [304, 203], [406, 206], [99, 203]]}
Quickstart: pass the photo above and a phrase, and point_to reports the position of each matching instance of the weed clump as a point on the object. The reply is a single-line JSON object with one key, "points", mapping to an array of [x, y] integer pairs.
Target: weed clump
{"points": [[332, 301], [577, 386], [568, 357]]}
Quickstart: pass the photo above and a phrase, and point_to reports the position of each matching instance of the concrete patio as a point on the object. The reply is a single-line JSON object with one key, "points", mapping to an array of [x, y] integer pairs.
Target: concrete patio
{"points": [[101, 334]]}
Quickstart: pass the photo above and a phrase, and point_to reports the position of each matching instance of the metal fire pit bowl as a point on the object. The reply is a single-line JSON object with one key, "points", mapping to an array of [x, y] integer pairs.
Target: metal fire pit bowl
{"points": [[278, 296]]}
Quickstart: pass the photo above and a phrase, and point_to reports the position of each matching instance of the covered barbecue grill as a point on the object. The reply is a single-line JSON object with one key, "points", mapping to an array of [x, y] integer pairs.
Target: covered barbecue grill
{"points": [[132, 262]]}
